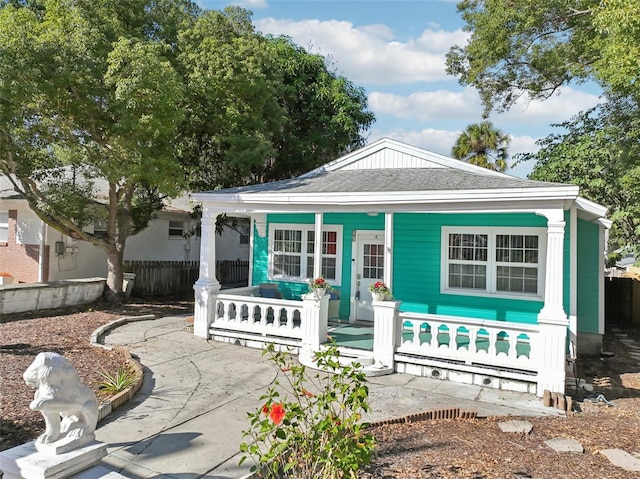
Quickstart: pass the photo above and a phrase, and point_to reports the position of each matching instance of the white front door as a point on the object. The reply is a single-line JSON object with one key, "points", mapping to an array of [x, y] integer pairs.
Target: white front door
{"points": [[369, 268]]}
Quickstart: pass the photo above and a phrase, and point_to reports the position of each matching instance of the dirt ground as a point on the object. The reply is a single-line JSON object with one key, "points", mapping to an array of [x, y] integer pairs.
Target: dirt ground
{"points": [[23, 336], [475, 448]]}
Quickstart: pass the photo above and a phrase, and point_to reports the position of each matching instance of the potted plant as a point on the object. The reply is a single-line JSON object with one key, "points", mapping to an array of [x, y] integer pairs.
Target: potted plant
{"points": [[5, 278], [380, 291], [319, 287]]}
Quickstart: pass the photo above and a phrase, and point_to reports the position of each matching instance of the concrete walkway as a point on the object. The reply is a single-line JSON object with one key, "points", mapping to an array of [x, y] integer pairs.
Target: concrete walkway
{"points": [[187, 420]]}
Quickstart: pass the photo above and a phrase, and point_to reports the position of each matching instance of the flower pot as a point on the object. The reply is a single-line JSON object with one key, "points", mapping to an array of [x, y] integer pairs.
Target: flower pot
{"points": [[319, 292], [379, 296], [6, 280]]}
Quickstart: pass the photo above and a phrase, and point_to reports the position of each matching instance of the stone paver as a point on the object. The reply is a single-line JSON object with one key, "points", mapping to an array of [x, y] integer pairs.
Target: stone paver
{"points": [[564, 444], [622, 459], [516, 426]]}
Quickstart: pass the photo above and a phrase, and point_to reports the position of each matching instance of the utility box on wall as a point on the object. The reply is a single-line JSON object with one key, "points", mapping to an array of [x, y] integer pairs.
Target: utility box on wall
{"points": [[60, 248]]}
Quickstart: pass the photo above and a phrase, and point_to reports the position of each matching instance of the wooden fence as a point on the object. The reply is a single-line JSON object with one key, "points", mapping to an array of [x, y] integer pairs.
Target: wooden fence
{"points": [[622, 301], [165, 278]]}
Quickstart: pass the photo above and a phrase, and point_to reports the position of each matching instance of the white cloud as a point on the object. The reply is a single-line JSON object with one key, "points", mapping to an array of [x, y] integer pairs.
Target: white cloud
{"points": [[560, 107], [250, 4], [465, 105], [428, 105], [369, 54]]}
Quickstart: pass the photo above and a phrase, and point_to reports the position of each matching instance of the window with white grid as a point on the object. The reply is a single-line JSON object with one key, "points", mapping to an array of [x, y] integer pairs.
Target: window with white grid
{"points": [[292, 252], [493, 261]]}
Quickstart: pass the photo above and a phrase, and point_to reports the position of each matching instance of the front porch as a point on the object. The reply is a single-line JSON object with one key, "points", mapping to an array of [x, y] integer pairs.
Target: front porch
{"points": [[501, 355]]}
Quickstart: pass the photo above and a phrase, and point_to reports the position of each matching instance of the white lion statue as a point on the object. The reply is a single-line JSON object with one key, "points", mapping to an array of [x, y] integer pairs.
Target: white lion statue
{"points": [[69, 408]]}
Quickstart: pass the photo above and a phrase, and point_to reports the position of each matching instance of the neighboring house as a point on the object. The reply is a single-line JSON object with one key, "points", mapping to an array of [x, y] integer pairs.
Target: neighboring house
{"points": [[496, 280], [32, 251]]}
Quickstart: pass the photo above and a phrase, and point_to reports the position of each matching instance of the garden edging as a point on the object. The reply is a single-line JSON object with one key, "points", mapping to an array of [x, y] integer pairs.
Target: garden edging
{"points": [[114, 402]]}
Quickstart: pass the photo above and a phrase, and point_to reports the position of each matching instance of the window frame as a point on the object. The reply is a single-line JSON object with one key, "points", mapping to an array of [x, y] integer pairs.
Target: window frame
{"points": [[4, 226], [492, 264], [174, 236], [305, 229]]}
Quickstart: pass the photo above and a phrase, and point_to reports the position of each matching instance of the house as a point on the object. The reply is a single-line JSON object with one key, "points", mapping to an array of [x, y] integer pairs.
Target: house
{"points": [[496, 280], [34, 252]]}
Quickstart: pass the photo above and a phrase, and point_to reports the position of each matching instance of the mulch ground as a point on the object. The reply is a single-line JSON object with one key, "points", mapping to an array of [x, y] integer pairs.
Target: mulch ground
{"points": [[67, 332], [464, 448]]}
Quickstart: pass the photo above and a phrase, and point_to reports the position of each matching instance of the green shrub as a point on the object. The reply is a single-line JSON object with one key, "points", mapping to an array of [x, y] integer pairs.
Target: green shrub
{"points": [[309, 426], [124, 378]]}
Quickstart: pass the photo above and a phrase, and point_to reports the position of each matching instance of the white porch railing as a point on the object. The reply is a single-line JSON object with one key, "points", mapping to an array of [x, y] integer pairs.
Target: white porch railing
{"points": [[239, 310], [501, 344], [403, 341]]}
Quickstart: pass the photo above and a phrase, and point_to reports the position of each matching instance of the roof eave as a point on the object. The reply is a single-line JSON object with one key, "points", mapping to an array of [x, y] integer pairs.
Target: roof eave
{"points": [[563, 192]]}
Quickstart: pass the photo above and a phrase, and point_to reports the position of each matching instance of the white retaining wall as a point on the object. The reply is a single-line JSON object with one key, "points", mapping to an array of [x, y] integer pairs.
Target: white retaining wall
{"points": [[17, 298]]}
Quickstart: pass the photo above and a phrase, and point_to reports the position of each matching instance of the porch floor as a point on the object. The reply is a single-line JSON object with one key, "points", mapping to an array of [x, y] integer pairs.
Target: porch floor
{"points": [[355, 336]]}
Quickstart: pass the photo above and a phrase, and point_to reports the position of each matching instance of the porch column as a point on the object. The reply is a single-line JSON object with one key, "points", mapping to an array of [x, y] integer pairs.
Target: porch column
{"points": [[386, 333], [207, 286], [388, 250], [552, 319], [317, 247], [315, 316]]}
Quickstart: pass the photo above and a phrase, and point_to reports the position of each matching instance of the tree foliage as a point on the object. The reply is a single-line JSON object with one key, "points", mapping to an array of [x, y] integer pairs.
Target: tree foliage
{"points": [[537, 46], [598, 151], [482, 144], [150, 98]]}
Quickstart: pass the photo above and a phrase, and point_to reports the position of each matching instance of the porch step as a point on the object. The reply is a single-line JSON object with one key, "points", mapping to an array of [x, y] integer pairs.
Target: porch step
{"points": [[350, 356]]}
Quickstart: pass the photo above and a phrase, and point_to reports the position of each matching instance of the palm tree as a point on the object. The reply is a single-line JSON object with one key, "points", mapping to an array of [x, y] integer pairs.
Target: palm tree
{"points": [[482, 144]]}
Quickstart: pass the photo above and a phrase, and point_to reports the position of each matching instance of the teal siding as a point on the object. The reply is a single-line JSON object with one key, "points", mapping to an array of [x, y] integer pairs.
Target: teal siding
{"points": [[589, 271], [417, 259], [349, 222], [416, 270]]}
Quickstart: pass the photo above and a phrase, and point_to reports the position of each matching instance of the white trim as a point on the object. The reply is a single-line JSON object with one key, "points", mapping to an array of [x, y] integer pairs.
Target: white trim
{"points": [[590, 207], [388, 250], [305, 228], [317, 247], [371, 198], [387, 143], [573, 276], [602, 247], [356, 237], [491, 264], [252, 221]]}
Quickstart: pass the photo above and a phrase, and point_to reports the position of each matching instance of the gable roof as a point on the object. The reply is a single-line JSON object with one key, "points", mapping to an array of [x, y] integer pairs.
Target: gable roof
{"points": [[388, 175], [390, 168], [387, 153]]}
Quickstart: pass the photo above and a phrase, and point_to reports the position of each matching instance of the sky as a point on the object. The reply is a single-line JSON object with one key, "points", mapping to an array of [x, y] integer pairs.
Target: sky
{"points": [[395, 50]]}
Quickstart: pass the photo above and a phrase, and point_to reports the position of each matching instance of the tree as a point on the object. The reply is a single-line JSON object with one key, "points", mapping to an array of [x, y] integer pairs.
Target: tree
{"points": [[482, 144], [87, 94], [536, 47], [278, 110], [326, 114], [152, 98], [598, 152]]}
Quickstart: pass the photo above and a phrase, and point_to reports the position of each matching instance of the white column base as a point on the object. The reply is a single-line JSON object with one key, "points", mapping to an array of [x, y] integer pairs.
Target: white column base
{"points": [[552, 353], [315, 317], [386, 332], [205, 302]]}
